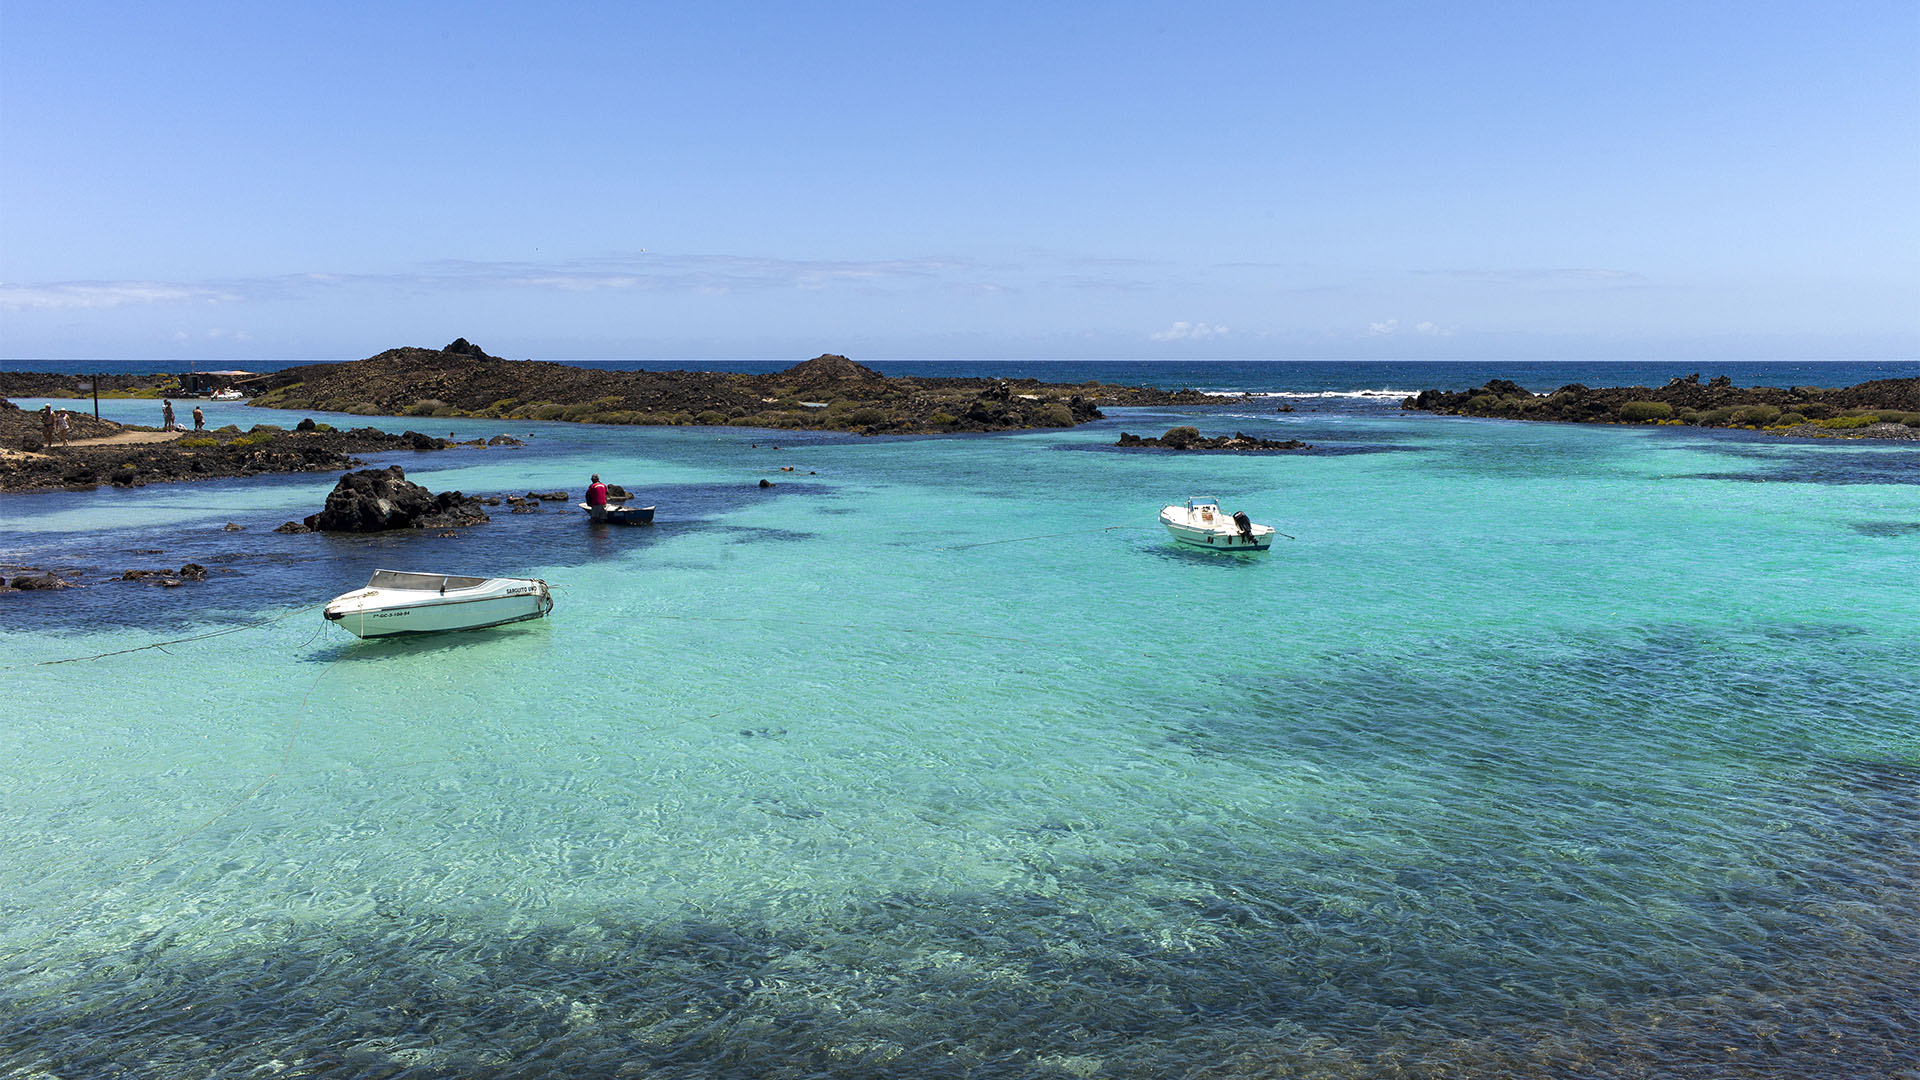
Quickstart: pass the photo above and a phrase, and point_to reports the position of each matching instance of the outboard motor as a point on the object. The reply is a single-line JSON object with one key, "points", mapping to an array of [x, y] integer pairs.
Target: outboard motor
{"points": [[1245, 523]]}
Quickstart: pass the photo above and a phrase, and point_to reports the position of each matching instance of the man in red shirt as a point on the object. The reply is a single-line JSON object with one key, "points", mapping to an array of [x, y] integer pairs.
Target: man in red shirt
{"points": [[597, 493]]}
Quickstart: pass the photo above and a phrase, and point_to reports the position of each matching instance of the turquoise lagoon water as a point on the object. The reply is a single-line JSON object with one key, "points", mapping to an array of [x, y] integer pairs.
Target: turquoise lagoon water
{"points": [[1534, 750]]}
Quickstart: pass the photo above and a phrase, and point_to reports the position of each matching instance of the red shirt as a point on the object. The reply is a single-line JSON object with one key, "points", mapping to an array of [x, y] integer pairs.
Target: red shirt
{"points": [[597, 494]]}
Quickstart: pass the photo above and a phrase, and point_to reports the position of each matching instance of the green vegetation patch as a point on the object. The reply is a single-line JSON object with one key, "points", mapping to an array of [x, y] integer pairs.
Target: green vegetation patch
{"points": [[1639, 412]]}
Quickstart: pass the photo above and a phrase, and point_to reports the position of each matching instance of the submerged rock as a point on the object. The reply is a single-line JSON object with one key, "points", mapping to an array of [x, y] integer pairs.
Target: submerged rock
{"points": [[1188, 438], [189, 572]]}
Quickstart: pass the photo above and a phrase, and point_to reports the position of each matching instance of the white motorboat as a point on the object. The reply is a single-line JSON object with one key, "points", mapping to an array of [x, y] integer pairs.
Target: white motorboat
{"points": [[229, 394], [398, 602], [1202, 524]]}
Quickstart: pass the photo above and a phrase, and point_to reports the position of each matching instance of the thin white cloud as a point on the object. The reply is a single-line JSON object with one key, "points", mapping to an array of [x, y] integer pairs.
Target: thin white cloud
{"points": [[106, 294], [699, 273], [634, 272], [1550, 275], [184, 337], [1390, 327], [1189, 331]]}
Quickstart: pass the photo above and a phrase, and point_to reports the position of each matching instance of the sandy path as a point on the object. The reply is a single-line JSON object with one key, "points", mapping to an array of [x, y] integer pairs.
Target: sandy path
{"points": [[123, 438], [130, 437]]}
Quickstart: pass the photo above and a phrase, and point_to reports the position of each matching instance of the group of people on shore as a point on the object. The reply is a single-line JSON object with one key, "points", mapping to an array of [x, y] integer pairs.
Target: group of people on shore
{"points": [[168, 423], [54, 426]]}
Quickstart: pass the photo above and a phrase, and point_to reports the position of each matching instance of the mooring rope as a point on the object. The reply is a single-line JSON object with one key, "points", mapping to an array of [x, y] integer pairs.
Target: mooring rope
{"points": [[160, 644], [1042, 536], [1055, 536]]}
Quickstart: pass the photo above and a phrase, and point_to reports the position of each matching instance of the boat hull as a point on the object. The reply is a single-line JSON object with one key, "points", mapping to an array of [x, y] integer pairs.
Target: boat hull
{"points": [[618, 515], [1218, 541], [380, 613], [1202, 525]]}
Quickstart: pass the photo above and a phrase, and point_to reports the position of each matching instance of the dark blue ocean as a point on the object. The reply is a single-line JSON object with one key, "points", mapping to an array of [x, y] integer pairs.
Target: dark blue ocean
{"points": [[1251, 376]]}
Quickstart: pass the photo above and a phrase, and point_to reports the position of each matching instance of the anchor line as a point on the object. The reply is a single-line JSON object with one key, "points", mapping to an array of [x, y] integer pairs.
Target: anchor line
{"points": [[1042, 536], [162, 644]]}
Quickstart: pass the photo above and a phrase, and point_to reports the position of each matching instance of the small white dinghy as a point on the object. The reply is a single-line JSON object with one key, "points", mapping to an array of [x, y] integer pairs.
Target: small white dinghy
{"points": [[1201, 524], [398, 602]]}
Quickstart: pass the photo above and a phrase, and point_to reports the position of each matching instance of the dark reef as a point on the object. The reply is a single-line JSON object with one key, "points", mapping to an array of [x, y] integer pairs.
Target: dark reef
{"points": [[1189, 438], [829, 392], [203, 455], [1884, 408]]}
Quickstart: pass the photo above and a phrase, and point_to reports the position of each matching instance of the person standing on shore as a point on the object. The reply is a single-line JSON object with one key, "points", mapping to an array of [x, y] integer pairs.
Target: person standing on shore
{"points": [[61, 428], [46, 425], [199, 419], [166, 414]]}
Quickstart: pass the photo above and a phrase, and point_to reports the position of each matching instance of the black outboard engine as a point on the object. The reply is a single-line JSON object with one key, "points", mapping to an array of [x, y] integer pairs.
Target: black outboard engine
{"points": [[1245, 523]]}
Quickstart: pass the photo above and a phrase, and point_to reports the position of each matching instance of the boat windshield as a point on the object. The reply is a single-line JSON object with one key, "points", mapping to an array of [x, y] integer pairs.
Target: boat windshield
{"points": [[400, 579]]}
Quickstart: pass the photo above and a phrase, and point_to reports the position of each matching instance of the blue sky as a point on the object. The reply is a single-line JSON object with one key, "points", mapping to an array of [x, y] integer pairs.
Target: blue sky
{"points": [[1104, 180]]}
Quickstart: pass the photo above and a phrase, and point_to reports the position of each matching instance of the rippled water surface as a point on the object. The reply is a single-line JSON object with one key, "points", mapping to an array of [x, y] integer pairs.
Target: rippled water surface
{"points": [[1534, 750]]}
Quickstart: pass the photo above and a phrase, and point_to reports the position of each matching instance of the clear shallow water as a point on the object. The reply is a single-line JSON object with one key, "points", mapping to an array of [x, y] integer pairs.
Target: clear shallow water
{"points": [[1541, 750]]}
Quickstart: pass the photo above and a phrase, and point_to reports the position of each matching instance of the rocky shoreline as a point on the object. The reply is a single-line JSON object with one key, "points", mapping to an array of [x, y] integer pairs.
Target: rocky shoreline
{"points": [[127, 456], [827, 393], [46, 384], [1882, 409]]}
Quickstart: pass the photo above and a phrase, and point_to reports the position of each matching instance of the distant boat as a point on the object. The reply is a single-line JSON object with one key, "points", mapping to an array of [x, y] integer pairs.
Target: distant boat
{"points": [[1201, 524], [397, 602], [229, 394], [615, 513]]}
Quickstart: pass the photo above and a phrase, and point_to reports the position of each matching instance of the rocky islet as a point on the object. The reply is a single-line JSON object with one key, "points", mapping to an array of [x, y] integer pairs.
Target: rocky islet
{"points": [[1883, 408]]}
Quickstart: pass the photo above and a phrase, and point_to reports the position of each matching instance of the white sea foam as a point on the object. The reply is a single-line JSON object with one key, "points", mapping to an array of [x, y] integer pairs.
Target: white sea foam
{"points": [[1380, 395]]}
